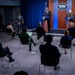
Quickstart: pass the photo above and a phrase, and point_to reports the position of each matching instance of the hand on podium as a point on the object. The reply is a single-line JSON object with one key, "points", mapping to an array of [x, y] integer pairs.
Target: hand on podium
{"points": [[43, 17]]}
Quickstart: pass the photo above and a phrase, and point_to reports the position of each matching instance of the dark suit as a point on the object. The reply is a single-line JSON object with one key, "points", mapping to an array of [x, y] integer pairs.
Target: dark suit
{"points": [[19, 21], [47, 15], [72, 31], [40, 32], [49, 55]]}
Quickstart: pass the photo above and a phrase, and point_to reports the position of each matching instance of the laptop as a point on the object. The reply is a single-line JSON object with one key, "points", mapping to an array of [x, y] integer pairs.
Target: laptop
{"points": [[29, 33]]}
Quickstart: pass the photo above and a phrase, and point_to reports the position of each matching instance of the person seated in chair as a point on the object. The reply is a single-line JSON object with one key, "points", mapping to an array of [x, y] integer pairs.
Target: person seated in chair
{"points": [[10, 29], [40, 31], [9, 26], [49, 53], [72, 30], [25, 38], [4, 51], [66, 41]]}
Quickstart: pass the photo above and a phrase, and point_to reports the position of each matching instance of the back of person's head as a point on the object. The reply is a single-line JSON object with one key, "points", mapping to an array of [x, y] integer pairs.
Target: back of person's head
{"points": [[49, 38], [66, 33], [24, 29], [20, 73]]}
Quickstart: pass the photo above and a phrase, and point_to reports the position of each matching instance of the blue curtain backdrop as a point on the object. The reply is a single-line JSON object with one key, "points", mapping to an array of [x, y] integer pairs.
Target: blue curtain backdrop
{"points": [[32, 11]]}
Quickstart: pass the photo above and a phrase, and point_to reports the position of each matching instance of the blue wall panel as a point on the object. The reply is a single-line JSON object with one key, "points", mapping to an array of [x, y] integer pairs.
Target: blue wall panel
{"points": [[55, 15]]}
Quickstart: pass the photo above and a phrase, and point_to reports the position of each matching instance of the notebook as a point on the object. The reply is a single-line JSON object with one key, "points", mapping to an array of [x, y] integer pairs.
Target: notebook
{"points": [[29, 33]]}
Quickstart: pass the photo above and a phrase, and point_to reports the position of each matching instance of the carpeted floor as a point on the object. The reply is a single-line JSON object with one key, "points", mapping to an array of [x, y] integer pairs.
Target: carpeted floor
{"points": [[29, 61]]}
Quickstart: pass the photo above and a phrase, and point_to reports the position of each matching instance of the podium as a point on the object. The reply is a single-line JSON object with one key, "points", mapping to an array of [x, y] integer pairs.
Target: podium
{"points": [[45, 26], [69, 18]]}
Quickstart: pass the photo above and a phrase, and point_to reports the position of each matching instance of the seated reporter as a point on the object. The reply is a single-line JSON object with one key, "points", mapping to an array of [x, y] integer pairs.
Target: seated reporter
{"points": [[4, 51], [66, 41], [25, 38], [10, 29], [40, 31], [9, 26], [72, 29], [50, 55]]}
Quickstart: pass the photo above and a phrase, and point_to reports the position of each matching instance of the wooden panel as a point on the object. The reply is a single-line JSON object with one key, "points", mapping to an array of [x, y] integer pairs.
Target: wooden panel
{"points": [[45, 26], [51, 9], [73, 7], [61, 16]]}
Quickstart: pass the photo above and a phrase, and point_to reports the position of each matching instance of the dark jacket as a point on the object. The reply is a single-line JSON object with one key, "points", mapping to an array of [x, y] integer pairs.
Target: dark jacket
{"points": [[48, 14], [40, 32], [65, 41], [72, 32], [24, 38], [49, 55], [21, 20]]}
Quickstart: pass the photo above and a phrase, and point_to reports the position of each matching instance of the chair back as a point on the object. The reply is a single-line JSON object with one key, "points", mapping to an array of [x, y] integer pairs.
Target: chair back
{"points": [[8, 30]]}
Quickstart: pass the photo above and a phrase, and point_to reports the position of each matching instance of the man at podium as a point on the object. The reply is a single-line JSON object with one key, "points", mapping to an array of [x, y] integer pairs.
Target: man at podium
{"points": [[70, 17], [47, 16]]}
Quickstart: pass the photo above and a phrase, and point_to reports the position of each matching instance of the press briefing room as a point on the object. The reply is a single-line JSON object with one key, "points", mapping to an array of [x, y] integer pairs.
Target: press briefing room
{"points": [[37, 37]]}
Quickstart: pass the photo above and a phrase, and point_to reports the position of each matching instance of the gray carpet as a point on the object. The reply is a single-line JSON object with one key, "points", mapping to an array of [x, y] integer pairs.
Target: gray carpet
{"points": [[29, 61]]}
